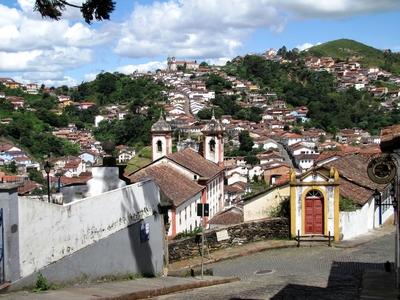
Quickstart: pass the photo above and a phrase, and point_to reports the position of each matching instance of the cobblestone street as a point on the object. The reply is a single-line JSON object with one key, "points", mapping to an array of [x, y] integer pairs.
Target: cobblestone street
{"points": [[318, 272]]}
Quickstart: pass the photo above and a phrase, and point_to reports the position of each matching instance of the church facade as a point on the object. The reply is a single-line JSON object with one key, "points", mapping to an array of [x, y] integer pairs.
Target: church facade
{"points": [[314, 204]]}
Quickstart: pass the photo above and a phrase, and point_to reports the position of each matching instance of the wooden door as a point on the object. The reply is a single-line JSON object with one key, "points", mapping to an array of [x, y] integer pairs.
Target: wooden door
{"points": [[314, 215]]}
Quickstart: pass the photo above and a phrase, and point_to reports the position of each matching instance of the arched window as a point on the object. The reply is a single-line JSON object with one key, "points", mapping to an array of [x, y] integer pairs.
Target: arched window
{"points": [[314, 194], [159, 146], [212, 146]]}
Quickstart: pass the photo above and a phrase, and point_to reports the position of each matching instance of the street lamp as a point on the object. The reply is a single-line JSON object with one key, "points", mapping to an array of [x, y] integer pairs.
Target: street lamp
{"points": [[378, 201], [47, 168], [58, 175]]}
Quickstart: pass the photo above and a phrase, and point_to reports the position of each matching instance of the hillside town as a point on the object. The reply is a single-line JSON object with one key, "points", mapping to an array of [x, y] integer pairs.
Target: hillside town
{"points": [[321, 176]]}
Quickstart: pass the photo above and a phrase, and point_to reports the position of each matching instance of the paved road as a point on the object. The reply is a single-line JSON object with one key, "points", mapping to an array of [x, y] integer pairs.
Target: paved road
{"points": [[297, 273], [285, 155]]}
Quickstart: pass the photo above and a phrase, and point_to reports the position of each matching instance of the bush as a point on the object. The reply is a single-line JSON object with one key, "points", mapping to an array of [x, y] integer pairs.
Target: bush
{"points": [[282, 209], [347, 204], [41, 283]]}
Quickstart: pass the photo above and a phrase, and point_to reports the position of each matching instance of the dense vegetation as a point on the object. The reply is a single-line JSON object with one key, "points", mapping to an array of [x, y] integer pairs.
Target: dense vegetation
{"points": [[227, 104], [328, 108], [344, 49], [31, 128], [142, 96]]}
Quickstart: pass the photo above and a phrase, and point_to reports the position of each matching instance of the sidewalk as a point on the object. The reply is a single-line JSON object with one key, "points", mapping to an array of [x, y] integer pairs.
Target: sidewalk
{"points": [[123, 290]]}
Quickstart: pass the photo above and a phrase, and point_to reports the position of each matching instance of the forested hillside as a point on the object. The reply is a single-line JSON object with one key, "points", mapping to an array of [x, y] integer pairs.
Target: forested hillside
{"points": [[345, 49], [329, 109]]}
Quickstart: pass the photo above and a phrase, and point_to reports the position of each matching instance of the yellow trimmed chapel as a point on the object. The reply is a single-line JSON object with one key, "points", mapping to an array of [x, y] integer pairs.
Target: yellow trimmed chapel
{"points": [[314, 203]]}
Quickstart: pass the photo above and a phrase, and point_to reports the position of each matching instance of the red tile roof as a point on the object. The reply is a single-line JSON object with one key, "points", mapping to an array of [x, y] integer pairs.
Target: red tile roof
{"points": [[233, 215], [390, 138], [176, 186], [27, 187], [196, 163]]}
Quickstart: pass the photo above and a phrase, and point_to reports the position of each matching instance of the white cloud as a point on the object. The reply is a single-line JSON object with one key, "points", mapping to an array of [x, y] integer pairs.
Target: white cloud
{"points": [[201, 29], [305, 46], [210, 28], [51, 79], [56, 59], [89, 77], [221, 61], [70, 13], [335, 8], [150, 66], [41, 49], [20, 32]]}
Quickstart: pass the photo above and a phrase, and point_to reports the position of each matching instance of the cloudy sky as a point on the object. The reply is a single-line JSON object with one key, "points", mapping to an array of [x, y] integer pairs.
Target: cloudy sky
{"points": [[141, 34]]}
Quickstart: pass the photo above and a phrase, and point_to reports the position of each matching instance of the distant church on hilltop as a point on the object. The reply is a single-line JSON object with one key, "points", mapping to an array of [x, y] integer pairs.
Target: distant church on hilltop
{"points": [[175, 65], [187, 177]]}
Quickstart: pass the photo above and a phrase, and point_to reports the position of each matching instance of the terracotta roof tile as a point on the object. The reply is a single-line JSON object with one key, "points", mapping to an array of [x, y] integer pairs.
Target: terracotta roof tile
{"points": [[193, 161], [353, 168], [390, 138], [176, 186], [27, 187], [230, 216], [358, 194]]}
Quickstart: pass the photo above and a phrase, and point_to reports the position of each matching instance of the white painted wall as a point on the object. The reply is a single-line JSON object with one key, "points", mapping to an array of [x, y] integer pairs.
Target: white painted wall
{"points": [[215, 195], [104, 179], [260, 207], [355, 223], [48, 232], [186, 215], [236, 177]]}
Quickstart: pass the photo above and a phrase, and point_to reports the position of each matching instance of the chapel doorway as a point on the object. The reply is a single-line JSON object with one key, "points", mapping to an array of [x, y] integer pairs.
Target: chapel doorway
{"points": [[314, 212]]}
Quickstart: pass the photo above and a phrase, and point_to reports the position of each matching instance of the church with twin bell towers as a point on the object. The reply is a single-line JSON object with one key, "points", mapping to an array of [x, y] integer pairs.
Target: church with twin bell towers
{"points": [[187, 177]]}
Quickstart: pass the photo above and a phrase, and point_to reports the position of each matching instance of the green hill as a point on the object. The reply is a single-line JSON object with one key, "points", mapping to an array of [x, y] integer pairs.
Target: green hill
{"points": [[344, 49]]}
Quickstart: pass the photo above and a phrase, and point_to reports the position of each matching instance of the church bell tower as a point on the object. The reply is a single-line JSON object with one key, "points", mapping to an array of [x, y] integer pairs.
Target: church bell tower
{"points": [[161, 138], [213, 141]]}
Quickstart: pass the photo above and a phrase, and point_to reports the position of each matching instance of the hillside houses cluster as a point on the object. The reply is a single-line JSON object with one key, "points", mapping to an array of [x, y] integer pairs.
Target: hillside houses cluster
{"points": [[352, 74], [10, 153], [29, 88], [111, 112], [186, 95]]}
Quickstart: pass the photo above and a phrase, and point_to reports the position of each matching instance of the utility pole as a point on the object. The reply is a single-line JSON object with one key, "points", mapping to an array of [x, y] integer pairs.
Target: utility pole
{"points": [[202, 241], [202, 211]]}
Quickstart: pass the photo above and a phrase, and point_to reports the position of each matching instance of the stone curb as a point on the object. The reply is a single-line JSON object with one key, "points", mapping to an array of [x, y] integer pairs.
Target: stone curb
{"points": [[236, 255], [171, 289]]}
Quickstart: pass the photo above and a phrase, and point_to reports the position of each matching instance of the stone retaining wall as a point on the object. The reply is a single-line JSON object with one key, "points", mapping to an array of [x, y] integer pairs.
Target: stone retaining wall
{"points": [[271, 228]]}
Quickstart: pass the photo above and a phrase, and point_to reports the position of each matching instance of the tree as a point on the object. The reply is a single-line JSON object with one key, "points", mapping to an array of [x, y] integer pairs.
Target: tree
{"points": [[12, 167], [90, 9], [246, 142], [36, 176], [282, 51]]}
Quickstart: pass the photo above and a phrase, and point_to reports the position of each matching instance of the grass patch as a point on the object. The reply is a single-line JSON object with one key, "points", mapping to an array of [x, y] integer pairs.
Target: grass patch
{"points": [[142, 159]]}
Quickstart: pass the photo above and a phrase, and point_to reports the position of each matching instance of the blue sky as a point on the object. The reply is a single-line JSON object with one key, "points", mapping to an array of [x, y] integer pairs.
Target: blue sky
{"points": [[141, 34]]}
